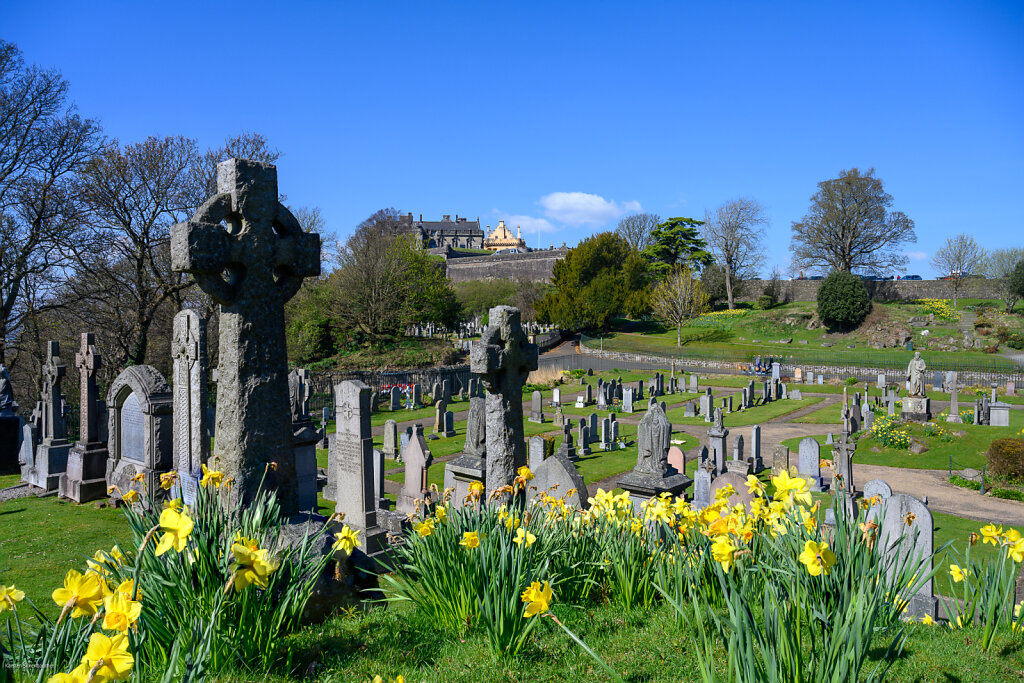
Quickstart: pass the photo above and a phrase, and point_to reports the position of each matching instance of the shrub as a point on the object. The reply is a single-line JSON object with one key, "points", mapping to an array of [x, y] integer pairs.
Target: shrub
{"points": [[1009, 494], [850, 381], [764, 302], [957, 480], [843, 301], [1006, 458], [1015, 341], [888, 432]]}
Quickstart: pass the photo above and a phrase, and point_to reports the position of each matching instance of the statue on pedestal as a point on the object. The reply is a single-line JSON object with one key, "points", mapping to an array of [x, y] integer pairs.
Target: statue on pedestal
{"points": [[915, 375]]}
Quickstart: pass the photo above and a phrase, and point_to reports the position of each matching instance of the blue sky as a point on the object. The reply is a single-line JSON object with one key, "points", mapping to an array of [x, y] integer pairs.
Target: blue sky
{"points": [[561, 117]]}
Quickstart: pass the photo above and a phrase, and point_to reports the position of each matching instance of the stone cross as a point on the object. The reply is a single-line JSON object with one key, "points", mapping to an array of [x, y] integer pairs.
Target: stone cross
{"points": [[249, 253], [88, 362], [191, 441], [53, 418], [503, 358]]}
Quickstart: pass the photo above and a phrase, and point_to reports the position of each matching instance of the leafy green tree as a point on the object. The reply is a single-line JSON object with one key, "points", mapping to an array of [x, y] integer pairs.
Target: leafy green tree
{"points": [[601, 277], [429, 295], [678, 299], [843, 300], [1015, 282], [312, 331], [677, 241]]}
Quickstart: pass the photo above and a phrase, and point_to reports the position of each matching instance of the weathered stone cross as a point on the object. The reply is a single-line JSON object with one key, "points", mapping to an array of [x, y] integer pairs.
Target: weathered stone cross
{"points": [[88, 362], [503, 358], [53, 371], [247, 251]]}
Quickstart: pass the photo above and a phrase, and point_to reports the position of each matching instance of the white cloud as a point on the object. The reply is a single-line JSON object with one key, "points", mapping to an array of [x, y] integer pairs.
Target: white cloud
{"points": [[916, 255], [580, 208], [529, 224]]}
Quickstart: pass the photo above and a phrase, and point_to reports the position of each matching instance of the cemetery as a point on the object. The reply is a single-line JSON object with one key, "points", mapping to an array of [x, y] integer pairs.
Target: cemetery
{"points": [[258, 423]]}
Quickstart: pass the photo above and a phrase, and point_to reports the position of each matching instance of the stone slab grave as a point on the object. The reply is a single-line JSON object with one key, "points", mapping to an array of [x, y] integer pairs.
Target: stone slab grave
{"points": [[140, 418], [448, 430], [702, 483], [44, 464], [780, 460], [535, 452], [809, 463], [907, 535], [558, 477], [999, 414], [352, 475], [537, 407], [503, 358], [390, 445], [627, 400], [470, 465], [85, 477], [248, 252], [652, 474], [593, 427], [556, 397], [583, 438]]}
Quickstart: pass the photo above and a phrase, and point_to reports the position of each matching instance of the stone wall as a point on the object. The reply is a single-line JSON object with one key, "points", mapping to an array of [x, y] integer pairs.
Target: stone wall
{"points": [[881, 290], [535, 266]]}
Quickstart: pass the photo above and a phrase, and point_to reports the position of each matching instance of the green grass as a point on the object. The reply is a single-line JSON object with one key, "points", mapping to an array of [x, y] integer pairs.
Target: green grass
{"points": [[967, 451], [750, 416], [640, 645]]}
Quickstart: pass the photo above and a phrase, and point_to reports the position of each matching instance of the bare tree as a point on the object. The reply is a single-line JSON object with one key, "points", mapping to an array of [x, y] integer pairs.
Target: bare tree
{"points": [[999, 266], [734, 234], [43, 145], [849, 225], [680, 297], [958, 258], [636, 229]]}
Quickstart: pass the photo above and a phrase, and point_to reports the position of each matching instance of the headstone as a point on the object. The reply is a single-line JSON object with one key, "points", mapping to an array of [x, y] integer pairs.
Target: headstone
{"points": [[705, 406], [780, 460], [677, 458], [880, 382], [435, 392], [809, 463], [11, 427], [639, 390], [85, 478], [937, 381], [738, 481], [798, 374], [821, 380], [446, 391], [417, 395], [558, 477], [842, 466], [556, 397], [917, 406], [796, 395], [439, 410], [567, 449], [536, 452], [581, 401], [702, 483], [602, 396], [395, 395], [304, 439], [417, 465], [907, 533], [716, 437], [592, 425], [44, 465], [877, 488], [693, 383], [999, 414], [1011, 388], [390, 446], [381, 501], [559, 418], [588, 395], [829, 439], [583, 439], [537, 408], [606, 435], [140, 416], [756, 461], [776, 372], [690, 409], [245, 232], [652, 474], [810, 376], [449, 424], [627, 400]]}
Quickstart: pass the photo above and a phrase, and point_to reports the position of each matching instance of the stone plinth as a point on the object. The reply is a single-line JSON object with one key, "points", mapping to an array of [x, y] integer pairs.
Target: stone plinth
{"points": [[916, 409], [460, 473]]}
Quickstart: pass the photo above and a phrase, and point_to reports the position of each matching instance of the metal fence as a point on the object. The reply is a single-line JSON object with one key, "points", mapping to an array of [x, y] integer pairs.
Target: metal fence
{"points": [[322, 383]]}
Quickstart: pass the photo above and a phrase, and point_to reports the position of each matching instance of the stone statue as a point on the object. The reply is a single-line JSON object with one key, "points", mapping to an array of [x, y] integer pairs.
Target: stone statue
{"points": [[915, 375], [295, 396], [6, 392], [718, 419]]}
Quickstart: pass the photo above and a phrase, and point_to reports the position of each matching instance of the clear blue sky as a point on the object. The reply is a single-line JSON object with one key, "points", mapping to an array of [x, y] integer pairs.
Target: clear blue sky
{"points": [[561, 116]]}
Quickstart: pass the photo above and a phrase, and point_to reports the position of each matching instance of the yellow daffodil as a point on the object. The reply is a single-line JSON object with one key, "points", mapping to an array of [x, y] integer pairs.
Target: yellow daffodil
{"points": [[109, 657], [440, 513], [927, 620], [79, 675], [725, 492], [817, 557], [347, 541], [176, 527], [250, 543], [957, 573], [175, 504], [537, 599], [211, 478], [139, 478], [525, 473], [167, 480], [754, 485], [250, 567], [1015, 551], [524, 538], [10, 597], [120, 612], [791, 489], [470, 539], [424, 528], [131, 497], [84, 592], [476, 489], [724, 552], [127, 589], [990, 533]]}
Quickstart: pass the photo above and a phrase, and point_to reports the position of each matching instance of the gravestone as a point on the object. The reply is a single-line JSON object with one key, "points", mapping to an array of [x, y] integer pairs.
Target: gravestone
{"points": [[567, 449], [693, 383], [602, 396], [796, 395], [652, 474], [249, 253], [689, 409], [580, 401], [716, 437], [439, 410], [537, 408], [842, 466], [705, 406], [810, 377], [417, 395], [395, 399], [417, 465], [435, 392], [703, 479], [776, 372], [381, 501], [627, 400], [821, 380], [829, 439], [446, 391], [880, 382], [503, 358], [588, 395], [907, 533], [606, 434], [558, 477], [351, 472], [50, 458], [615, 430], [390, 445], [85, 477], [639, 390], [583, 438], [1011, 388], [867, 418], [780, 460], [556, 397], [535, 452], [798, 374], [809, 463], [756, 461], [12, 428], [140, 419], [917, 406], [999, 414], [954, 402], [449, 424], [677, 458], [559, 418], [738, 481], [304, 439], [738, 464], [471, 465]]}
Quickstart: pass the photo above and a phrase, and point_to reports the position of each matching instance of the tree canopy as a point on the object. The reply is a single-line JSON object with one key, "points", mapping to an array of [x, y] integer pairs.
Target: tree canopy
{"points": [[601, 277], [849, 226], [677, 241]]}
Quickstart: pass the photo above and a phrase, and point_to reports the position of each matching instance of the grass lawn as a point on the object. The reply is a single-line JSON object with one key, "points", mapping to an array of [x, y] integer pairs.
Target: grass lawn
{"points": [[967, 451], [749, 416], [640, 645]]}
